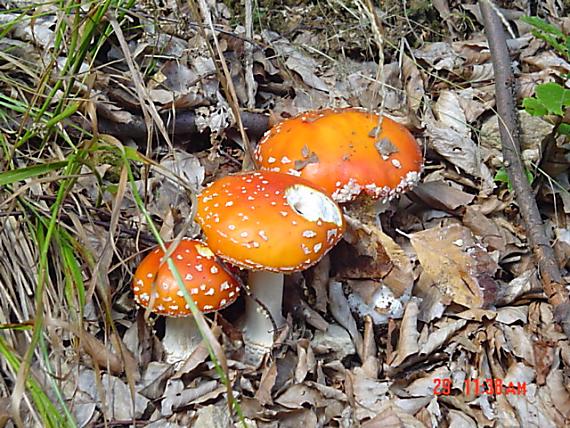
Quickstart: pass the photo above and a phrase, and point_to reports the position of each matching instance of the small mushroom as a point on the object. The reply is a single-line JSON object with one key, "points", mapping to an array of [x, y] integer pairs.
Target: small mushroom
{"points": [[207, 281], [342, 151], [271, 224]]}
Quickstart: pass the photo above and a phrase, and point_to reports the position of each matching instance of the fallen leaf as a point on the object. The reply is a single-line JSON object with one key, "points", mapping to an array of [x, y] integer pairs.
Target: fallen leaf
{"points": [[379, 257], [450, 136], [408, 341], [263, 393], [441, 196], [340, 310], [459, 266], [300, 395]]}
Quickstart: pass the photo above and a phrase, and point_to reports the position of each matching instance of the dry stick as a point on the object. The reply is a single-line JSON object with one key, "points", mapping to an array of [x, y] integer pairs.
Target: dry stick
{"points": [[183, 125], [508, 127], [378, 32], [250, 83]]}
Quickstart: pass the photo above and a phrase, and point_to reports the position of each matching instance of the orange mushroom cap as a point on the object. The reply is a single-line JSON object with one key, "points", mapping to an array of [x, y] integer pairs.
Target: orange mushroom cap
{"points": [[206, 280], [268, 221], [336, 149]]}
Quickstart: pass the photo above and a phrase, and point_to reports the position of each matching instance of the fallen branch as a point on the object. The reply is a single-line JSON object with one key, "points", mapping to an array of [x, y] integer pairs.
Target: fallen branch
{"points": [[179, 125], [539, 243]]}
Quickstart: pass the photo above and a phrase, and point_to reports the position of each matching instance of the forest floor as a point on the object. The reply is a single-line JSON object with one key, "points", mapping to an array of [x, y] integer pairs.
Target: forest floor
{"points": [[114, 115]]}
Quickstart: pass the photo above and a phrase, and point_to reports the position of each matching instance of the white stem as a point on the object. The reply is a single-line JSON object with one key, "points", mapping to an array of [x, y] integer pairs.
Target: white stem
{"points": [[267, 287], [181, 336]]}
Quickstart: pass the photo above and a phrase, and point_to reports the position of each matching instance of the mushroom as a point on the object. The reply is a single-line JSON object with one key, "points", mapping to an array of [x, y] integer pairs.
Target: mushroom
{"points": [[271, 224], [341, 151], [206, 280]]}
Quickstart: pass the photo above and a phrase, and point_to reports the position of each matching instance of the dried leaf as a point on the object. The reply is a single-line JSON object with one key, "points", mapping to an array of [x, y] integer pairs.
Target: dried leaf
{"points": [[450, 136], [560, 395], [408, 342], [341, 312], [459, 266], [300, 395], [382, 257], [335, 340], [441, 335], [368, 394], [441, 196], [176, 396], [268, 377], [306, 360]]}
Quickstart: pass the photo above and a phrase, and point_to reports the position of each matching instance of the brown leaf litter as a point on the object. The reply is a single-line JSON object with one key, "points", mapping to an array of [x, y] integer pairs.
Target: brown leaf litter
{"points": [[407, 323]]}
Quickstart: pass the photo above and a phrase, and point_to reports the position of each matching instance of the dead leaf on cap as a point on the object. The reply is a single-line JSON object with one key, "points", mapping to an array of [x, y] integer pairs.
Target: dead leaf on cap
{"points": [[460, 267], [384, 146]]}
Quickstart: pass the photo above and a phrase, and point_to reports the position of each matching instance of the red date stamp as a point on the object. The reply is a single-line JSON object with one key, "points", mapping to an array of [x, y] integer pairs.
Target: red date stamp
{"points": [[490, 386]]}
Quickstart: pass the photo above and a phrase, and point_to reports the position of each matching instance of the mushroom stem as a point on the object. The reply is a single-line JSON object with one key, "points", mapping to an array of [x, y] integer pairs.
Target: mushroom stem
{"points": [[181, 337], [267, 287]]}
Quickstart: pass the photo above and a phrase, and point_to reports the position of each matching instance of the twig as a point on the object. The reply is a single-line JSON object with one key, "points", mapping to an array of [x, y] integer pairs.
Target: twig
{"points": [[184, 124], [378, 32], [539, 243], [250, 83]]}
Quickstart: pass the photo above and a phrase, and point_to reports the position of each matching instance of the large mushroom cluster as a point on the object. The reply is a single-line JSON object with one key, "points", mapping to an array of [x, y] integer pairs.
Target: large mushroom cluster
{"points": [[284, 217]]}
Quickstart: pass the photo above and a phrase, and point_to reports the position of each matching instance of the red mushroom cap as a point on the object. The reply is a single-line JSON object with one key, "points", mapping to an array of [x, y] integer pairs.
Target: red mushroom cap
{"points": [[268, 221], [206, 280], [337, 150]]}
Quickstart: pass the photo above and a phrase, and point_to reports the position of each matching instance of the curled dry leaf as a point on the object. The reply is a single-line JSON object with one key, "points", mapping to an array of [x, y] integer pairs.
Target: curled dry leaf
{"points": [[520, 285], [340, 310], [154, 379], [459, 266], [493, 236], [177, 396], [306, 360], [300, 395], [533, 131], [422, 386], [441, 335], [409, 335], [268, 377], [433, 302]]}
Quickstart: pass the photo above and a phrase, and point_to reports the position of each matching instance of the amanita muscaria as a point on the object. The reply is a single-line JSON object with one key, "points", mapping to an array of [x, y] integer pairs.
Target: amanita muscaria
{"points": [[341, 151], [207, 281], [271, 224]]}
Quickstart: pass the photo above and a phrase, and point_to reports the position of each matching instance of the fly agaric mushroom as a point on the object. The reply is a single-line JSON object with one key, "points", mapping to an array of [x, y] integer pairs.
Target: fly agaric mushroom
{"points": [[208, 283], [271, 224], [339, 150]]}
